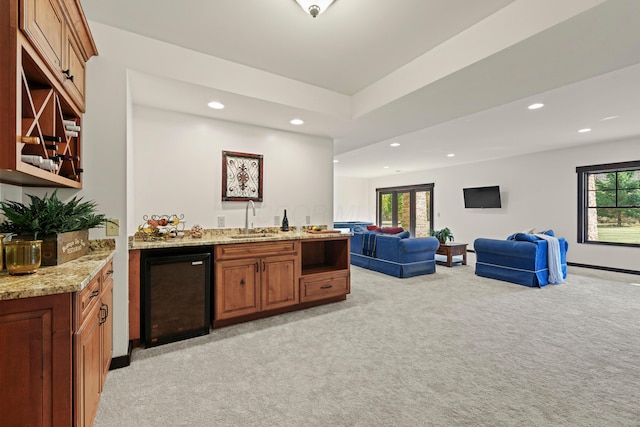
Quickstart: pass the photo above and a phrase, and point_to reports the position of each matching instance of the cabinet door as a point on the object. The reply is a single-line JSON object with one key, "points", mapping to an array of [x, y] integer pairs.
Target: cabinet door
{"points": [[106, 328], [237, 290], [35, 373], [73, 70], [88, 368], [44, 24], [279, 282]]}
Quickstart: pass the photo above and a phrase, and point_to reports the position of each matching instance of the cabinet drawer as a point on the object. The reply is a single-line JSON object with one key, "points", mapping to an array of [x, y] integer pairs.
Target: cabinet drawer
{"points": [[107, 272], [250, 249], [312, 289], [88, 298]]}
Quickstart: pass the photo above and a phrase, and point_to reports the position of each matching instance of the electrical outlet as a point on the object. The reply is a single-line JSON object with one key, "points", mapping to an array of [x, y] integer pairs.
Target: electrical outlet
{"points": [[308, 220], [112, 227], [276, 220], [221, 222]]}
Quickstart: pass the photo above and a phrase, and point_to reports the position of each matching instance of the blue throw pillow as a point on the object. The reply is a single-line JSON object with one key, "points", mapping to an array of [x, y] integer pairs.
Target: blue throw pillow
{"points": [[403, 235], [359, 229], [512, 237], [548, 233], [523, 237]]}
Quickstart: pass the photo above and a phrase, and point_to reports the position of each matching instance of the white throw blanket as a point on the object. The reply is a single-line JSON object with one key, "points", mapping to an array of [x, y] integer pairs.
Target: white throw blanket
{"points": [[553, 258]]}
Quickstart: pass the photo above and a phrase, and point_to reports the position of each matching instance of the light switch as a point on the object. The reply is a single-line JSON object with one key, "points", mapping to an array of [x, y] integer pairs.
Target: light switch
{"points": [[276, 220], [308, 219], [221, 222], [112, 227]]}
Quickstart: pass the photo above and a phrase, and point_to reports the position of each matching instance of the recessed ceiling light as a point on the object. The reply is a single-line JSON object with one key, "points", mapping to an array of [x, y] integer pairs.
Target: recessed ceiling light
{"points": [[335, 161], [450, 155], [535, 106], [609, 118], [297, 122], [386, 167], [216, 105], [395, 144], [585, 130]]}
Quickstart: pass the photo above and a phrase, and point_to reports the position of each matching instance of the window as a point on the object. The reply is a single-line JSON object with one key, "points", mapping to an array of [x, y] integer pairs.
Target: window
{"points": [[409, 207], [609, 204]]}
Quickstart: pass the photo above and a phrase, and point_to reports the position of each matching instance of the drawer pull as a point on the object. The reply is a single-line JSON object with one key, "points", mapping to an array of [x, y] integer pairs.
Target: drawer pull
{"points": [[326, 287], [94, 294], [110, 271]]}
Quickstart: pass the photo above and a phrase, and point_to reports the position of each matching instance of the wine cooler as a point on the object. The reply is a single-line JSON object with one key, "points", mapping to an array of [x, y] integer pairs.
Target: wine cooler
{"points": [[177, 295]]}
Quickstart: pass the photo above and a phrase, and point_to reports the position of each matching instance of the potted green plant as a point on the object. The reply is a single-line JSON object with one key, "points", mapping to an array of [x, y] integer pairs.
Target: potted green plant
{"points": [[443, 235], [62, 226]]}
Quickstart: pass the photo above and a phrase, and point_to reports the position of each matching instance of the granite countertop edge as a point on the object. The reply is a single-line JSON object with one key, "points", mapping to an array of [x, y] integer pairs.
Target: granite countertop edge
{"points": [[72, 276], [224, 239]]}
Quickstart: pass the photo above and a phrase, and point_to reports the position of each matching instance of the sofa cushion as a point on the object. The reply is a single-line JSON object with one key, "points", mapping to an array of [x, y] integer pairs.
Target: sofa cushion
{"points": [[403, 235], [373, 228], [525, 237], [392, 230]]}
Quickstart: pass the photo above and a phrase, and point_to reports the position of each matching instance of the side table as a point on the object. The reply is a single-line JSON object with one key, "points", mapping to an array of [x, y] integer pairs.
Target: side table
{"points": [[450, 250]]}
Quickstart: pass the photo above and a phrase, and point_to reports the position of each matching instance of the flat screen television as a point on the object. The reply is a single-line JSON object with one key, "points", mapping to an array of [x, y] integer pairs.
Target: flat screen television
{"points": [[482, 197]]}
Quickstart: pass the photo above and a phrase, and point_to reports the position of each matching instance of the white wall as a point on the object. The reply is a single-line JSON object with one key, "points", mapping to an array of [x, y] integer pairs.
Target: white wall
{"points": [[178, 170], [538, 190], [351, 199]]}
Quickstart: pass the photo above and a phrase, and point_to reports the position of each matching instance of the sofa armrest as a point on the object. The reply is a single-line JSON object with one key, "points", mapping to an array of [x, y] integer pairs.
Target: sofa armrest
{"points": [[419, 244]]}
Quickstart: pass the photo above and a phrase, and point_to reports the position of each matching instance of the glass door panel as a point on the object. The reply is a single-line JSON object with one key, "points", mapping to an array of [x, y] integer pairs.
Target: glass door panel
{"points": [[423, 214]]}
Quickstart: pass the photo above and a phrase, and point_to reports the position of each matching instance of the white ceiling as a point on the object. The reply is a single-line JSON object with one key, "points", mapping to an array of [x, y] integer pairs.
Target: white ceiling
{"points": [[437, 76]]}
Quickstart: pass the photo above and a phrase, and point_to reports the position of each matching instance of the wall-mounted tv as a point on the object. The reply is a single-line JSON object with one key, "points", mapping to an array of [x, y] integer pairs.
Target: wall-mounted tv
{"points": [[482, 197]]}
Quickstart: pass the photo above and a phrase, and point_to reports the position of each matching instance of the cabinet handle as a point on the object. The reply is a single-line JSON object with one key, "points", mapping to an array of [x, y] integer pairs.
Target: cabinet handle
{"points": [[104, 310], [94, 294], [326, 287], [110, 272], [264, 266], [67, 73], [257, 267]]}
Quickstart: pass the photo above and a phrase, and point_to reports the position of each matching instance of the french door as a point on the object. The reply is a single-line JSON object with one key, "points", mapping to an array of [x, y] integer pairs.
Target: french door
{"points": [[409, 207]]}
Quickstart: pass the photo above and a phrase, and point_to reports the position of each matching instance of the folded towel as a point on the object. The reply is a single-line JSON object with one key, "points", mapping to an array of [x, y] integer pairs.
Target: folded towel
{"points": [[553, 258]]}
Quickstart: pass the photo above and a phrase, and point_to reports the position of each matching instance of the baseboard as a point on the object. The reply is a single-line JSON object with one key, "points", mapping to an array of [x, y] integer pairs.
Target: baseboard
{"points": [[121, 361], [599, 267]]}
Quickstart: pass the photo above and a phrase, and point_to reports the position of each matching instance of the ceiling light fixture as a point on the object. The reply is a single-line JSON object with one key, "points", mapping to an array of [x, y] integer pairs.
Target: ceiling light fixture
{"points": [[336, 161], [314, 7], [297, 122], [609, 118], [585, 130], [535, 106], [395, 144], [450, 155], [216, 105]]}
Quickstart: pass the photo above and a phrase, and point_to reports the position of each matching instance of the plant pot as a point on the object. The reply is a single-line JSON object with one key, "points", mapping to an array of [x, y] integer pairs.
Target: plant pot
{"points": [[63, 247], [23, 256]]}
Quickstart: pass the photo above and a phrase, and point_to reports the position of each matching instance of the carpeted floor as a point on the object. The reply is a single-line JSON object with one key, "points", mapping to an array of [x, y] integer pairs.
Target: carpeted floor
{"points": [[448, 349]]}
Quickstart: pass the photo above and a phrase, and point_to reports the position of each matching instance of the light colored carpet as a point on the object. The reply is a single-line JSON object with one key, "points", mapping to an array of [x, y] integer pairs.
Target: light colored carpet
{"points": [[448, 349]]}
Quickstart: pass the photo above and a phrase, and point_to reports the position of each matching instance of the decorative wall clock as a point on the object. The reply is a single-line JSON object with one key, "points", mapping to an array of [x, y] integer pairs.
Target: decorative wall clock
{"points": [[241, 176]]}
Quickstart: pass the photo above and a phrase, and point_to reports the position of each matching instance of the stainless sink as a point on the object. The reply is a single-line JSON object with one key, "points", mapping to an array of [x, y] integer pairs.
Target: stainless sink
{"points": [[251, 236]]}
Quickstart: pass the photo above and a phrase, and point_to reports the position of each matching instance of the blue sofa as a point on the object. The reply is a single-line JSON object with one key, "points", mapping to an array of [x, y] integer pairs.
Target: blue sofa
{"points": [[394, 254], [522, 260]]}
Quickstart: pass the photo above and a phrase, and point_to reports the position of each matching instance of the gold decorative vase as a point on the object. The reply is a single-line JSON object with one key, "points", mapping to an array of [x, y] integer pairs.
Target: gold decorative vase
{"points": [[23, 256]]}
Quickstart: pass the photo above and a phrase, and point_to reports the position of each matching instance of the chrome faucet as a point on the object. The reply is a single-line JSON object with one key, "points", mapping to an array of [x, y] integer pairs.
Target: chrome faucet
{"points": [[246, 216]]}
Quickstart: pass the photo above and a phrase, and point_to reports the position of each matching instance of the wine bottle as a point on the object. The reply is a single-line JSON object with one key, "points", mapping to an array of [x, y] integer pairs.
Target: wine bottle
{"points": [[30, 140], [53, 147], [285, 222], [68, 122], [52, 138], [49, 165], [72, 127], [71, 133], [34, 160]]}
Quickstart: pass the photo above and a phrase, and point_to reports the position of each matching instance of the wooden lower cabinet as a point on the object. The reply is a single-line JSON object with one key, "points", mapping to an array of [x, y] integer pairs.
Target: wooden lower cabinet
{"points": [[36, 361], [55, 351], [93, 344], [250, 285]]}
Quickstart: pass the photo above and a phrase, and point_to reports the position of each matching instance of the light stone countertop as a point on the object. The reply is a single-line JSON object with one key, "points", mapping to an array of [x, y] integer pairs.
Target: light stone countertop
{"points": [[72, 276], [223, 237]]}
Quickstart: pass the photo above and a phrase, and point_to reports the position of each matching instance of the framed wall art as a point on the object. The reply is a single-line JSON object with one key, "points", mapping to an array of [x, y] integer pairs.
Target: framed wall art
{"points": [[241, 176]]}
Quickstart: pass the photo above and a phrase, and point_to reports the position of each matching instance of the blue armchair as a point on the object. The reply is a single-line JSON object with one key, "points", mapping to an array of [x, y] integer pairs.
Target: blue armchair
{"points": [[518, 261]]}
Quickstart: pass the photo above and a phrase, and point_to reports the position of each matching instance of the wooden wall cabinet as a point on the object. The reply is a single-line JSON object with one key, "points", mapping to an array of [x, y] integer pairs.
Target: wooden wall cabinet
{"points": [[54, 355], [254, 277], [46, 44]]}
